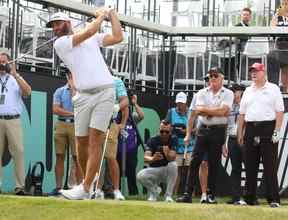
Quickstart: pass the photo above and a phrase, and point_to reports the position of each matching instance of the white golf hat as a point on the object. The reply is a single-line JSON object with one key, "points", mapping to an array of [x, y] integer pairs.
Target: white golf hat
{"points": [[59, 16], [181, 97]]}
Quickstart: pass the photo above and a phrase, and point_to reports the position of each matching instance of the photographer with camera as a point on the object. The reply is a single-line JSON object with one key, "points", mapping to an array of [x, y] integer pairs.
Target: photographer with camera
{"points": [[136, 115], [12, 88], [160, 153]]}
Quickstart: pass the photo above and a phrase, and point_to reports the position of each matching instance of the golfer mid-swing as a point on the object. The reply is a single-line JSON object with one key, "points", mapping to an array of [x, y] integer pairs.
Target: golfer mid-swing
{"points": [[94, 100]]}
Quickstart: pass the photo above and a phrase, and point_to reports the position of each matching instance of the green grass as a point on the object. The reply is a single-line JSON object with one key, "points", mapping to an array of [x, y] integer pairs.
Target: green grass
{"points": [[13, 207]]}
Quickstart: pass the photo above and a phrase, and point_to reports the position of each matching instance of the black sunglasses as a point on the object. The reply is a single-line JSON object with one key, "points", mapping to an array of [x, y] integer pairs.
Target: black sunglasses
{"points": [[164, 131], [213, 75]]}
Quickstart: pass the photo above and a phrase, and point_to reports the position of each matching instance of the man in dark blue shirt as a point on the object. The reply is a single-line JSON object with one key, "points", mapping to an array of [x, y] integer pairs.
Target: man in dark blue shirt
{"points": [[160, 154]]}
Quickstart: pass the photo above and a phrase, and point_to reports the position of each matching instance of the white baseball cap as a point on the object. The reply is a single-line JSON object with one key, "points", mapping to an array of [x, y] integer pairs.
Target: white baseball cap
{"points": [[59, 16], [181, 97]]}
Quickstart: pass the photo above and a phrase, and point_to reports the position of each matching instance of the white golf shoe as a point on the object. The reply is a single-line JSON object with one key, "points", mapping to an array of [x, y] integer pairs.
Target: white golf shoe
{"points": [[169, 199], [118, 195], [77, 193]]}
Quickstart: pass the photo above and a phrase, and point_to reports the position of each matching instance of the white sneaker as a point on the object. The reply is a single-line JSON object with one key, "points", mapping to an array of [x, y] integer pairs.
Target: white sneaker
{"points": [[118, 195], [154, 194], [169, 199], [158, 191], [152, 197], [77, 193], [203, 198], [240, 202]]}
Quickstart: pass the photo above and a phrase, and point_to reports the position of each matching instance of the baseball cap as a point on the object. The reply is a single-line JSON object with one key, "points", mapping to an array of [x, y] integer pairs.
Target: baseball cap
{"points": [[59, 16], [181, 97], [257, 67], [213, 71]]}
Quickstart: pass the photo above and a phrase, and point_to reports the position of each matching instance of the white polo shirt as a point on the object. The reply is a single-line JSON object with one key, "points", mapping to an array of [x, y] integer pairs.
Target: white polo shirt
{"points": [[192, 106], [13, 100], [261, 104], [85, 61], [205, 97]]}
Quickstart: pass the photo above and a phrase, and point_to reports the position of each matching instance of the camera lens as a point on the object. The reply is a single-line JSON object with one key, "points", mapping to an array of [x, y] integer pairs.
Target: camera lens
{"points": [[2, 67], [7, 68]]}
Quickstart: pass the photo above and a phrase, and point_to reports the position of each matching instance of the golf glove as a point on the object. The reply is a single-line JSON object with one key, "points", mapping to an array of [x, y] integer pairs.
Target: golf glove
{"points": [[116, 108], [276, 137]]}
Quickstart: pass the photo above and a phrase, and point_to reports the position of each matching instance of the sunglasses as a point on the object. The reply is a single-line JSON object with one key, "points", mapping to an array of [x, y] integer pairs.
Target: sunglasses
{"points": [[253, 71], [213, 75], [164, 131]]}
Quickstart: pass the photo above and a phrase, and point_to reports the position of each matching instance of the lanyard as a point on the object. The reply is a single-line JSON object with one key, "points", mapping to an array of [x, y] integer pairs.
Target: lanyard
{"points": [[4, 84]]}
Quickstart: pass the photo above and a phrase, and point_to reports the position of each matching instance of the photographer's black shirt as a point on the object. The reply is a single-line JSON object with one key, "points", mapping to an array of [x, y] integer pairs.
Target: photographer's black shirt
{"points": [[154, 144]]}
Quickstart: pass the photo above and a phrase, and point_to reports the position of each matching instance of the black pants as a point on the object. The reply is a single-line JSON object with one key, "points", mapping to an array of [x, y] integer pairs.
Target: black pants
{"points": [[236, 157], [131, 164], [208, 140], [268, 152]]}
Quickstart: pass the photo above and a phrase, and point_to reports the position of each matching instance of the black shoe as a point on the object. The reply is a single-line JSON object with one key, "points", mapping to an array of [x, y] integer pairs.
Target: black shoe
{"points": [[109, 195], [274, 205], [230, 202], [19, 192], [186, 198], [236, 202], [211, 199], [252, 202], [54, 192]]}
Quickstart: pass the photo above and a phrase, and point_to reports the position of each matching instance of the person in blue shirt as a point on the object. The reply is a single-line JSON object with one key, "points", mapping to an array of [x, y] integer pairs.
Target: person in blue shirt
{"points": [[178, 117], [64, 135], [117, 125]]}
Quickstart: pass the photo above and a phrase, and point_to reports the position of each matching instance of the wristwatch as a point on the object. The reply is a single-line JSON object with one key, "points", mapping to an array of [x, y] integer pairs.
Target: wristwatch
{"points": [[17, 76]]}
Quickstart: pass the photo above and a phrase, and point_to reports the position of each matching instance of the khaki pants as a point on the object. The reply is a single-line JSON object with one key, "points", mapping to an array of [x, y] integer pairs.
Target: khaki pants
{"points": [[11, 131], [112, 142], [64, 137]]}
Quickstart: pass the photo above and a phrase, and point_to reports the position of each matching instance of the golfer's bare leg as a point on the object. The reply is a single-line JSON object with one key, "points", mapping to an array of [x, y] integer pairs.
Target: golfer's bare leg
{"points": [[82, 153], [78, 171], [96, 140]]}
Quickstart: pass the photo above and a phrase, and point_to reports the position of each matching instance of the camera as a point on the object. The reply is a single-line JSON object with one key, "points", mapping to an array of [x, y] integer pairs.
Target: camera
{"points": [[178, 130], [5, 67]]}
